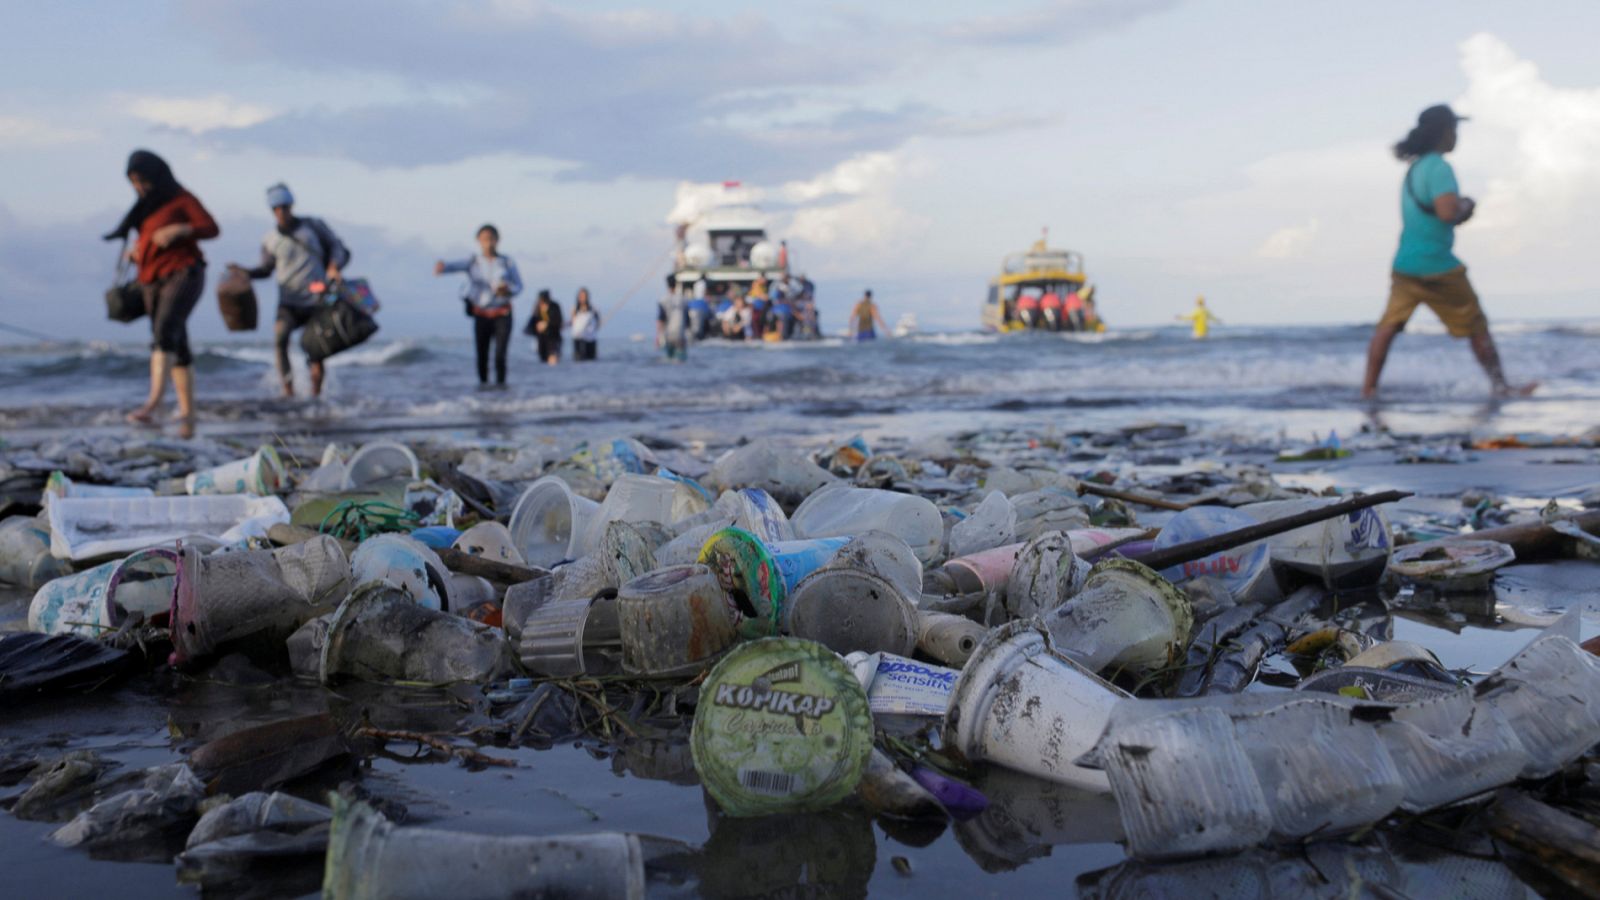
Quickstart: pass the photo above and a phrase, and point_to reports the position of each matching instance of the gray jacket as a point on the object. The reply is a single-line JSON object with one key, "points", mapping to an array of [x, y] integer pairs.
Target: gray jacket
{"points": [[300, 258]]}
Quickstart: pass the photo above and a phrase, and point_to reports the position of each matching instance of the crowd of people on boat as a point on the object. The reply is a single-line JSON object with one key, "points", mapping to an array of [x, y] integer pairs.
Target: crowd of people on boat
{"points": [[1047, 308]]}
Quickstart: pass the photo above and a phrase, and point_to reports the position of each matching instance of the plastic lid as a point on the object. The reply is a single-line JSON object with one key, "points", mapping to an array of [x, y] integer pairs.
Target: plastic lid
{"points": [[782, 725]]}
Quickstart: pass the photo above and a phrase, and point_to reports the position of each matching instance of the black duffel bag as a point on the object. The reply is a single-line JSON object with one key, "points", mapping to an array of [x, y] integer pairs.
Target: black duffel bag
{"points": [[125, 297], [336, 327]]}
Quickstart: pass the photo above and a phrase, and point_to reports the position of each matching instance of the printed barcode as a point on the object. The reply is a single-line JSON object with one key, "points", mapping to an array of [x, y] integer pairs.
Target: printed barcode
{"points": [[767, 782]]}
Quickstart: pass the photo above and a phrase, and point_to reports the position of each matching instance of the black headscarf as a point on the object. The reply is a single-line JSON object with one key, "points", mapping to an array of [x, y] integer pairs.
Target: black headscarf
{"points": [[163, 187]]}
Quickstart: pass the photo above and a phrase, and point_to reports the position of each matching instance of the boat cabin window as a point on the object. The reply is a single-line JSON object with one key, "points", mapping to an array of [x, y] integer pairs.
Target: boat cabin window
{"points": [[732, 248]]}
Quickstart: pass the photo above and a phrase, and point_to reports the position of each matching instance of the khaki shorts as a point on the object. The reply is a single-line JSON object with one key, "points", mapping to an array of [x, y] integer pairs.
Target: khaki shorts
{"points": [[1448, 294]]}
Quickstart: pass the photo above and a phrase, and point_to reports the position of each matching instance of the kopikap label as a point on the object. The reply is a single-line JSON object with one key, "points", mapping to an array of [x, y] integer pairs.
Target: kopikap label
{"points": [[782, 725]]}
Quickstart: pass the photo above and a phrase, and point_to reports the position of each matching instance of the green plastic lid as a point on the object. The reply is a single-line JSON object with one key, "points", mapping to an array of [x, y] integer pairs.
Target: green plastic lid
{"points": [[782, 726]]}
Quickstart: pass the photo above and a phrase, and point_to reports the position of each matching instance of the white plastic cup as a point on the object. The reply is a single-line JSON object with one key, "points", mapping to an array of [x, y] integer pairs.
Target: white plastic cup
{"points": [[259, 473], [840, 510], [405, 563], [378, 462], [96, 600], [550, 522], [1021, 704], [25, 559], [633, 499], [490, 540]]}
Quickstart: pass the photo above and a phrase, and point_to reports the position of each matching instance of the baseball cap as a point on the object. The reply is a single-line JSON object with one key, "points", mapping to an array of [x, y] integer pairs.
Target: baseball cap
{"points": [[278, 195], [1438, 115]]}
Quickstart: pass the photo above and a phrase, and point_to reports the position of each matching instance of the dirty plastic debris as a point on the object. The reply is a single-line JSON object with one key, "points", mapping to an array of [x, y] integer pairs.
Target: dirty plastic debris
{"points": [[759, 577], [949, 638], [897, 685], [379, 462], [25, 558], [59, 485], [565, 636], [257, 811], [405, 563], [550, 522], [490, 540], [91, 527], [782, 726], [634, 499], [97, 600], [842, 510], [992, 524], [380, 632], [252, 594], [780, 471], [1345, 552], [259, 473], [1022, 704], [1244, 570], [864, 598], [370, 858], [1125, 617], [33, 665], [1452, 565], [164, 802], [1046, 573], [674, 621]]}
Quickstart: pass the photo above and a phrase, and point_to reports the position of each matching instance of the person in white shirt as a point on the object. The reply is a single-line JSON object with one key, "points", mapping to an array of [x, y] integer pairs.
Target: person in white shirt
{"points": [[585, 325], [492, 280]]}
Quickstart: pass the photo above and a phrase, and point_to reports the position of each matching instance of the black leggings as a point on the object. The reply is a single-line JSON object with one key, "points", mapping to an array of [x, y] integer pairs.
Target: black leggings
{"points": [[582, 350], [498, 330], [169, 301]]}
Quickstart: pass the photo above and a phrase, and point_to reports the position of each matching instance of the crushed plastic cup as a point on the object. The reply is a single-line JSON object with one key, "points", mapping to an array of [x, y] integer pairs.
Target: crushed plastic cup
{"points": [[759, 577], [550, 522], [264, 595], [370, 858], [380, 632], [627, 551], [610, 460], [842, 510], [259, 473], [783, 472], [635, 499], [992, 524], [1045, 574], [1021, 704], [782, 725], [405, 563], [25, 558], [490, 540], [379, 462], [674, 621], [1125, 617], [1244, 570], [569, 635], [1463, 565]]}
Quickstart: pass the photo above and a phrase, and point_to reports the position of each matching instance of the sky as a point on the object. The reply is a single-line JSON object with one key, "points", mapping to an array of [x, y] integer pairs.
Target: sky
{"points": [[1232, 148]]}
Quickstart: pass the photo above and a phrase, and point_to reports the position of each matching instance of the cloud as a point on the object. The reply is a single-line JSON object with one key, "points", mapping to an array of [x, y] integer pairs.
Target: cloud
{"points": [[1058, 22], [1540, 149], [19, 132], [1289, 242], [198, 115]]}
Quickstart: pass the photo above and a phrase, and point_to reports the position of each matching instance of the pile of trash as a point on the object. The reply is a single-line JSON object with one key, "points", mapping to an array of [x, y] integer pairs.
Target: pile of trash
{"points": [[895, 632]]}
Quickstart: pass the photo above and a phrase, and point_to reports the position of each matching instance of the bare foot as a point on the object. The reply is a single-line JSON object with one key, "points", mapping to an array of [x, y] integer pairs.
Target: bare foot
{"points": [[144, 415], [185, 426], [1516, 390], [288, 390]]}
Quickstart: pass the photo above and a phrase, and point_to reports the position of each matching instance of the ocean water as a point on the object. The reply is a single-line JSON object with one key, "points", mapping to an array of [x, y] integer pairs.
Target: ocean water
{"points": [[1251, 382]]}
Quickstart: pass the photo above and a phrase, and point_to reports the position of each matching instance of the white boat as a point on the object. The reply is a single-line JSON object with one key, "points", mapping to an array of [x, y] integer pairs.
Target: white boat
{"points": [[726, 248]]}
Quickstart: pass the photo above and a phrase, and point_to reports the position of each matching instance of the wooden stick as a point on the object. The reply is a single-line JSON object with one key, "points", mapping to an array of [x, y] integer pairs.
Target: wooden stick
{"points": [[1531, 540], [455, 560], [1567, 845], [1100, 490], [1193, 550]]}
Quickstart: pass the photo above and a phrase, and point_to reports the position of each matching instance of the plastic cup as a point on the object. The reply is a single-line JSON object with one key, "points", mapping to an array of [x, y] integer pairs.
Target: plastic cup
{"points": [[841, 510], [378, 631], [378, 462], [25, 559], [674, 621], [1021, 704], [634, 499], [550, 522], [848, 609], [1125, 616], [758, 577], [405, 563], [265, 594], [1046, 573], [259, 473], [490, 540]]}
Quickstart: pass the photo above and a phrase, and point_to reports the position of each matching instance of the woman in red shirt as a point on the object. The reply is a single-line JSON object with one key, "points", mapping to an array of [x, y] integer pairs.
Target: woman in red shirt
{"points": [[172, 273]]}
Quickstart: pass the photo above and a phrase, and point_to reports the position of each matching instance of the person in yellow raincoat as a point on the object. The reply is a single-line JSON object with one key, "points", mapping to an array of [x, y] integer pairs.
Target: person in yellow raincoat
{"points": [[1201, 318]]}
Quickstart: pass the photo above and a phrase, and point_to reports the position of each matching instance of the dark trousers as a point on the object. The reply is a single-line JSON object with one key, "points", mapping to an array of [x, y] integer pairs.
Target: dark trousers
{"points": [[290, 319], [584, 351], [498, 331], [169, 301]]}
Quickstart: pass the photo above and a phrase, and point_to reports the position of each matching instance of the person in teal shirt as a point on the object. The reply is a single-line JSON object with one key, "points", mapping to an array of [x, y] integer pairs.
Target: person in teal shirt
{"points": [[1426, 270]]}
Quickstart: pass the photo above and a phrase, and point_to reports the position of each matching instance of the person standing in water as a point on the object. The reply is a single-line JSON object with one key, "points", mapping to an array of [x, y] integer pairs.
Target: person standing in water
{"points": [[492, 280], [585, 328], [544, 326], [171, 272], [1201, 318], [864, 316], [672, 323], [302, 251], [1426, 270]]}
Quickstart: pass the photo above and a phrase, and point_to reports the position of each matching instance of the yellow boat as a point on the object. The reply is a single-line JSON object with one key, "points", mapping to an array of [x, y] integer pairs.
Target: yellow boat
{"points": [[1034, 291]]}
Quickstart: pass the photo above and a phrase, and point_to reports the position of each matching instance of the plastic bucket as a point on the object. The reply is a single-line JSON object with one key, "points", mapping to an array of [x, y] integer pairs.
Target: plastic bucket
{"points": [[549, 522], [25, 559], [1020, 704], [1126, 616], [405, 563], [259, 473], [674, 621], [378, 631], [841, 510], [378, 462], [369, 858]]}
